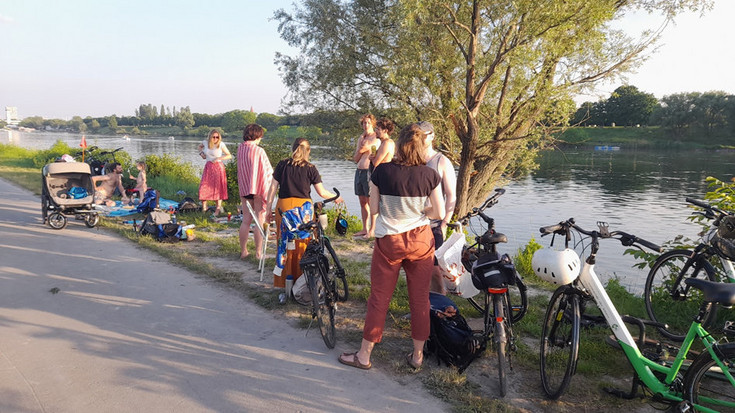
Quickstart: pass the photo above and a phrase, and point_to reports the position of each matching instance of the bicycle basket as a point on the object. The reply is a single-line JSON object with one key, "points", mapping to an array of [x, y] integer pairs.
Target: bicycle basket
{"points": [[493, 271], [725, 247]]}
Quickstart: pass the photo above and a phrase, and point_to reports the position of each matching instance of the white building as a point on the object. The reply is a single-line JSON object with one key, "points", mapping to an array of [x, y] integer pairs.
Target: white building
{"points": [[11, 115]]}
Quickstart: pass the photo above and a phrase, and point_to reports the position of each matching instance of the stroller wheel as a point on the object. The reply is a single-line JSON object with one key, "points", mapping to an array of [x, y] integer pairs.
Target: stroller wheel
{"points": [[57, 221], [91, 220]]}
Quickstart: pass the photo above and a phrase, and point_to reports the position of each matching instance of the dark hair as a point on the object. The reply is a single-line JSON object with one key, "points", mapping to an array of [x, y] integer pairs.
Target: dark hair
{"points": [[252, 132], [386, 124], [411, 146], [112, 166]]}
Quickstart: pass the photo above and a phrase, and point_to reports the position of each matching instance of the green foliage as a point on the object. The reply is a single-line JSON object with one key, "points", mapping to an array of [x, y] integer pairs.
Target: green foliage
{"points": [[522, 259], [43, 157], [486, 76], [16, 156], [697, 117], [171, 166]]}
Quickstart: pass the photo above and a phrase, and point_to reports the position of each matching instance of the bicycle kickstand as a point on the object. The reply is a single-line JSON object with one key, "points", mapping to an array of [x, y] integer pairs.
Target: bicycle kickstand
{"points": [[627, 396]]}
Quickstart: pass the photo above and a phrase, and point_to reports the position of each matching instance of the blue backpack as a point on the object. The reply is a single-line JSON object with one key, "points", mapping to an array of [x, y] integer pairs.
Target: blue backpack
{"points": [[149, 201]]}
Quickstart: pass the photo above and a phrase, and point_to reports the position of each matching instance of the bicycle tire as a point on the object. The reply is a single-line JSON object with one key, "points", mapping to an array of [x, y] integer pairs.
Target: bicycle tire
{"points": [[340, 287], [500, 340], [518, 310], [705, 383], [559, 342], [322, 308], [661, 305]]}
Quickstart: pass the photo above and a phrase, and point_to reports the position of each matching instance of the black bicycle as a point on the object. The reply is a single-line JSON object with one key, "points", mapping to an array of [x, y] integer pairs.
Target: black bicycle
{"points": [[504, 293], [98, 159], [669, 300], [324, 274]]}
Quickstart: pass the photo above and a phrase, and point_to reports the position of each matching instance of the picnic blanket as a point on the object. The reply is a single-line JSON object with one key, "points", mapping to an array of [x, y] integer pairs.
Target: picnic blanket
{"points": [[121, 210]]}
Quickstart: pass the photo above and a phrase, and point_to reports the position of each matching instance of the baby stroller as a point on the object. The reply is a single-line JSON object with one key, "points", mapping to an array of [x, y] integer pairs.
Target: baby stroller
{"points": [[67, 189]]}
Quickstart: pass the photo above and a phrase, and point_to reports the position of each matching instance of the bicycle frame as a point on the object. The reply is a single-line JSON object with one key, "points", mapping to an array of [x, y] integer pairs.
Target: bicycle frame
{"points": [[643, 366]]}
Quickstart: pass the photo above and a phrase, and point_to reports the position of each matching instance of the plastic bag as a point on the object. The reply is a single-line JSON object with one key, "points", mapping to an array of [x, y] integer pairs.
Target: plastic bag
{"points": [[457, 279]]}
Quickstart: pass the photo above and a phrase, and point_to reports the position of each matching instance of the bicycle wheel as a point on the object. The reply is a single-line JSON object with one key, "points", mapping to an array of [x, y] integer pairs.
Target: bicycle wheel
{"points": [[343, 293], [323, 309], [706, 383], [665, 294], [500, 340], [560, 341], [518, 302]]}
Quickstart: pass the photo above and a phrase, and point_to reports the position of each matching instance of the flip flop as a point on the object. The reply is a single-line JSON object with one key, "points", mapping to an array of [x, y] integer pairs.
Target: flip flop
{"points": [[415, 366], [355, 362]]}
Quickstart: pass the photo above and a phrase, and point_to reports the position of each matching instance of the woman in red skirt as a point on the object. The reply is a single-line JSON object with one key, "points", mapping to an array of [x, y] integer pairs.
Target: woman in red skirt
{"points": [[214, 179]]}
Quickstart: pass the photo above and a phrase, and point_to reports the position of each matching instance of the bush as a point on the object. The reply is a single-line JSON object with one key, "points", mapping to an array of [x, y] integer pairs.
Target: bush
{"points": [[171, 166], [43, 157], [523, 258]]}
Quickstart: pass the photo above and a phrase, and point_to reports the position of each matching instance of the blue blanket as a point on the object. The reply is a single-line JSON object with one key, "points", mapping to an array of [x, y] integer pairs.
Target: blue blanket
{"points": [[121, 210]]}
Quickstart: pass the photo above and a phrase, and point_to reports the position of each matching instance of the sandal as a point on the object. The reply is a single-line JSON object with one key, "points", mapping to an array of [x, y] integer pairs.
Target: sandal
{"points": [[355, 362], [415, 366]]}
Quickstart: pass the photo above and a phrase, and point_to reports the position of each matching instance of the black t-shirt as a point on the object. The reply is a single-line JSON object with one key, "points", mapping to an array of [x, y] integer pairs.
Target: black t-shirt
{"points": [[295, 181]]}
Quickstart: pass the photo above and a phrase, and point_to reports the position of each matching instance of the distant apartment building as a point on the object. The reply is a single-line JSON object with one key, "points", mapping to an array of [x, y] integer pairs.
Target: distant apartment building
{"points": [[11, 115]]}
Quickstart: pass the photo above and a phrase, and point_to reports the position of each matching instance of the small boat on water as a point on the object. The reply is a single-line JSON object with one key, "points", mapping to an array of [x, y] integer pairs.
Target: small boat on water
{"points": [[171, 138], [126, 137], [605, 148]]}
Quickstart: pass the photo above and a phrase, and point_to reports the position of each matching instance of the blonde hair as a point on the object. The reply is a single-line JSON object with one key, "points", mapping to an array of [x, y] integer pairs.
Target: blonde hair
{"points": [[142, 163], [411, 146], [301, 150], [211, 144]]}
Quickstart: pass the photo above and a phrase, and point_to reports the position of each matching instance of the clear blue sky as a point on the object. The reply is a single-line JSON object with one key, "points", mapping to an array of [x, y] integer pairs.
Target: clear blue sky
{"points": [[97, 57]]}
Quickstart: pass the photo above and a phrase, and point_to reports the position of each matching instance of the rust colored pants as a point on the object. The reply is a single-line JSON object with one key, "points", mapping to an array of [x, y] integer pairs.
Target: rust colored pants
{"points": [[414, 252]]}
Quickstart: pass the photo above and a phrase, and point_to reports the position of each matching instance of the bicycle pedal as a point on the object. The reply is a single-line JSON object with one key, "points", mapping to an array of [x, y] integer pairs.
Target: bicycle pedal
{"points": [[729, 328]]}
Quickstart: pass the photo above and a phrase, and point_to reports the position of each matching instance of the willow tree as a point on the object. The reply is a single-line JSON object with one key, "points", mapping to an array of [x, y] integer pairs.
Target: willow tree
{"points": [[493, 76]]}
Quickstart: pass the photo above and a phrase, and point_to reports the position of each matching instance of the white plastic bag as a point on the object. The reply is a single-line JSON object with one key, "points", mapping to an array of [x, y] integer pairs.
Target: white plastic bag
{"points": [[457, 279]]}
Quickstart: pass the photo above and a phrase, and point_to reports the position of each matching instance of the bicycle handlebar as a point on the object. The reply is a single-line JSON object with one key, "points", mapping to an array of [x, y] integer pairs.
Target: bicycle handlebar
{"points": [[492, 200], [320, 205], [628, 240]]}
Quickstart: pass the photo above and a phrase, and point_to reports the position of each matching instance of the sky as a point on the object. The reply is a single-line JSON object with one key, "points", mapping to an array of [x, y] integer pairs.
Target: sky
{"points": [[60, 59]]}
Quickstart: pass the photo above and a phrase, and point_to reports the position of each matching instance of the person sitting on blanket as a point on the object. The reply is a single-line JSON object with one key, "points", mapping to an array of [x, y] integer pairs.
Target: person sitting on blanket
{"points": [[107, 185], [293, 178]]}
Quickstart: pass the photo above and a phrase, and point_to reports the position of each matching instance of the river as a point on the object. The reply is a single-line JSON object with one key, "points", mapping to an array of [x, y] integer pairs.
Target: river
{"points": [[637, 191]]}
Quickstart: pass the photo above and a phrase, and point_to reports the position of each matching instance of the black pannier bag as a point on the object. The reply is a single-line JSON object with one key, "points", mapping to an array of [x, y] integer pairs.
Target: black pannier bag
{"points": [[493, 271]]}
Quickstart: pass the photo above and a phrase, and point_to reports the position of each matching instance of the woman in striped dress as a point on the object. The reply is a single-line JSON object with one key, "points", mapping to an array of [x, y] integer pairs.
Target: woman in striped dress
{"points": [[254, 174]]}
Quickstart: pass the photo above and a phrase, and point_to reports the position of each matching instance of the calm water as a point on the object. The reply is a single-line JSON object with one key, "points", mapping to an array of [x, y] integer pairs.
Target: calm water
{"points": [[641, 192]]}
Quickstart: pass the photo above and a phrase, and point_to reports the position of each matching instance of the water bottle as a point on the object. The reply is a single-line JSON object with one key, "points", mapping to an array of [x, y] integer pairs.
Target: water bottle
{"points": [[289, 285]]}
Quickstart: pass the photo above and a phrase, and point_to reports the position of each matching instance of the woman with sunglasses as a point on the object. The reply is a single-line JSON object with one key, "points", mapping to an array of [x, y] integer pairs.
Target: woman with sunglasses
{"points": [[213, 186]]}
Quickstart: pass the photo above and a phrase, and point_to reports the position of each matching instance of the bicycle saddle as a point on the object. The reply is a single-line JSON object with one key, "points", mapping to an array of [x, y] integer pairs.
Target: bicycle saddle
{"points": [[495, 238], [714, 292]]}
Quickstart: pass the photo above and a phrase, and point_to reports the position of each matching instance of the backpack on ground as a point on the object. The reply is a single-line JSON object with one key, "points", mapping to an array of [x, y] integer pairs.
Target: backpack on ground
{"points": [[188, 205], [169, 232], [150, 224], [451, 339], [149, 201]]}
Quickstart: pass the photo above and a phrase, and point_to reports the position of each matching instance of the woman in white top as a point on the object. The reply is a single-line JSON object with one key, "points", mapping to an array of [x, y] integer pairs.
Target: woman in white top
{"points": [[213, 186]]}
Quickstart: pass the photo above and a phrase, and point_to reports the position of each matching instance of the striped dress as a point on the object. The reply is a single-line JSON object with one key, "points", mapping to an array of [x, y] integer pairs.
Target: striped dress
{"points": [[254, 170]]}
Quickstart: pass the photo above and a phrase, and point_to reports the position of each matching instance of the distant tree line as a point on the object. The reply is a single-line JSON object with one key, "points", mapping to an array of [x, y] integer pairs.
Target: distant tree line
{"points": [[680, 114]]}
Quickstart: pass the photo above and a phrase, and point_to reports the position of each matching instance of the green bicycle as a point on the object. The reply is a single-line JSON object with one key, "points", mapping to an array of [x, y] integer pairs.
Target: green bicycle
{"points": [[708, 384]]}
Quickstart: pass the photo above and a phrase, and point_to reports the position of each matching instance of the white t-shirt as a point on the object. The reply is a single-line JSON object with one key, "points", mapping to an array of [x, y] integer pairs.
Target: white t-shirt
{"points": [[212, 154]]}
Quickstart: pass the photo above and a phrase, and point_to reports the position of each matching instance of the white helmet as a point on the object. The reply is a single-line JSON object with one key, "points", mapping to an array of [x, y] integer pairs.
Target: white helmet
{"points": [[556, 267]]}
